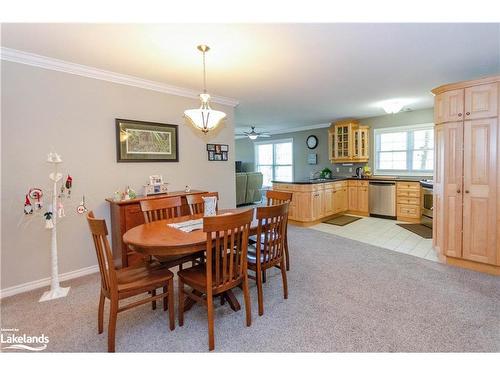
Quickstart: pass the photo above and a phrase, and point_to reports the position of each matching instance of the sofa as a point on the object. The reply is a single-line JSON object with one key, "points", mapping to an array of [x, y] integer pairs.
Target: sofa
{"points": [[248, 187]]}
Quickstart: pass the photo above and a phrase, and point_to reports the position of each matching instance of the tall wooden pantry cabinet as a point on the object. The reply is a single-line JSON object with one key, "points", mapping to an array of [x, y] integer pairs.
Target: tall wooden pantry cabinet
{"points": [[466, 221]]}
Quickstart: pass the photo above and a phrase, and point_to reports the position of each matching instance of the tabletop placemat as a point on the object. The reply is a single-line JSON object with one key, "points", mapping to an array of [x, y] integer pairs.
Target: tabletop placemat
{"points": [[188, 226]]}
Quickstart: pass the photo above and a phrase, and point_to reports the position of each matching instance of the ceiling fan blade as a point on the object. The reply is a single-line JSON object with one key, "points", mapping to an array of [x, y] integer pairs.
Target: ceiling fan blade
{"points": [[265, 135]]}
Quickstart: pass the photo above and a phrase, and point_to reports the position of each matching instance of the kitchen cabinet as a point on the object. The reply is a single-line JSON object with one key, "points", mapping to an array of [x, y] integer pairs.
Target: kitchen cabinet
{"points": [[348, 141], [466, 223], [449, 106], [408, 201], [314, 202], [358, 197]]}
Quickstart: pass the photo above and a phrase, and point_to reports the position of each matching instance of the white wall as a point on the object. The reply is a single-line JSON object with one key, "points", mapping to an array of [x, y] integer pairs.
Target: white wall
{"points": [[44, 110]]}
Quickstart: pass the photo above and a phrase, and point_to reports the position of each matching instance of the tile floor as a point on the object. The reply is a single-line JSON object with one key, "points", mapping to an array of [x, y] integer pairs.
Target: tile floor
{"points": [[384, 233]]}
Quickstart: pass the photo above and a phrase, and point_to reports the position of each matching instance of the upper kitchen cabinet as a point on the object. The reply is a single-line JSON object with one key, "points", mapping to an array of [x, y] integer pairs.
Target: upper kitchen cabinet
{"points": [[481, 101], [449, 106], [348, 142]]}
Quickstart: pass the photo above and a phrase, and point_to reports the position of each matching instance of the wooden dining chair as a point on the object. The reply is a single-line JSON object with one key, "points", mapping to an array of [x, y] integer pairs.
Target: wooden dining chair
{"points": [[127, 282], [197, 204], [162, 209], [274, 197], [270, 250], [225, 267]]}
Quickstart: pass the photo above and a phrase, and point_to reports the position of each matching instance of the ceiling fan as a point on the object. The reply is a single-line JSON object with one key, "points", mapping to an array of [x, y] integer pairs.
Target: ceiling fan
{"points": [[253, 135]]}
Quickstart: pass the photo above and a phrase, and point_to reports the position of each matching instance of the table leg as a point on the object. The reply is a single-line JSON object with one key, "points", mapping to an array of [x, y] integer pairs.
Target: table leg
{"points": [[188, 303], [231, 299]]}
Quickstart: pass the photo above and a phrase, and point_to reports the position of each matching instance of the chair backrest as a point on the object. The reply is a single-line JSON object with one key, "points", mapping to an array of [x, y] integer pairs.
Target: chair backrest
{"points": [[271, 232], [161, 209], [226, 251], [104, 255], [277, 197], [196, 203]]}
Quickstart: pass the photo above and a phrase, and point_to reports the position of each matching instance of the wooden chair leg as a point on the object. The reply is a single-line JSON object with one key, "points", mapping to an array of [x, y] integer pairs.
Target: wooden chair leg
{"points": [[180, 302], [287, 256], [283, 276], [153, 303], [171, 312], [222, 300], [113, 314], [263, 276], [210, 316], [165, 299], [258, 279], [100, 314], [246, 294]]}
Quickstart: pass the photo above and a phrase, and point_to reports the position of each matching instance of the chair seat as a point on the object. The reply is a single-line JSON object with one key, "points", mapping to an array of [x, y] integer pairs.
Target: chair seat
{"points": [[197, 276], [142, 276], [252, 255]]}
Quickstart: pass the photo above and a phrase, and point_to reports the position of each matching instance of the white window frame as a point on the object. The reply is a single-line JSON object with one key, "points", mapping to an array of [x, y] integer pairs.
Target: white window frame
{"points": [[274, 165], [409, 150]]}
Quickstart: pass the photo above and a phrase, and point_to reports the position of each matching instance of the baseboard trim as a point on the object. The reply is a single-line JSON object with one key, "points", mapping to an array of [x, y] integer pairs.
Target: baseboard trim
{"points": [[32, 285]]}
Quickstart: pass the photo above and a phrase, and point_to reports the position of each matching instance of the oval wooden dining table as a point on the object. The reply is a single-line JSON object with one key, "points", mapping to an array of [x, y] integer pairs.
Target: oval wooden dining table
{"points": [[159, 239]]}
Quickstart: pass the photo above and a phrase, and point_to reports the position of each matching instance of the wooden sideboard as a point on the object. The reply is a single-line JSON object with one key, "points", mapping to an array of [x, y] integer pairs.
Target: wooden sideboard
{"points": [[127, 214]]}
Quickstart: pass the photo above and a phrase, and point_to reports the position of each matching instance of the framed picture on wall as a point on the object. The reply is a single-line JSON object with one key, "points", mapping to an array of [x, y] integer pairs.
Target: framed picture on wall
{"points": [[141, 141], [217, 152]]}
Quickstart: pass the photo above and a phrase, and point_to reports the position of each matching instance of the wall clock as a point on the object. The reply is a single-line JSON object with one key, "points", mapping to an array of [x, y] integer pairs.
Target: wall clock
{"points": [[312, 142]]}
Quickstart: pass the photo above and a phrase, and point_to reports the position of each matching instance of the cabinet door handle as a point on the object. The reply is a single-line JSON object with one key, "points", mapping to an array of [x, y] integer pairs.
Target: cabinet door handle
{"points": [[466, 191], [459, 115], [458, 191], [467, 113]]}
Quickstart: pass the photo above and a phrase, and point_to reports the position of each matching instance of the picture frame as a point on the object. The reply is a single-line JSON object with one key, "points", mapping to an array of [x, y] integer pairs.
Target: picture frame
{"points": [[142, 141], [217, 152]]}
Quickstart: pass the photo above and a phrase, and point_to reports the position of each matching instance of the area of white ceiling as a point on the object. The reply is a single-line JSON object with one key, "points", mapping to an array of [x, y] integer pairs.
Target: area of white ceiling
{"points": [[284, 75]]}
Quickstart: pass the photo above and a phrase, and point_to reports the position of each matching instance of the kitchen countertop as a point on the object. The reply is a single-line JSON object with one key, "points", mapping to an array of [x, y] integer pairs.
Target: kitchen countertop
{"points": [[344, 178]]}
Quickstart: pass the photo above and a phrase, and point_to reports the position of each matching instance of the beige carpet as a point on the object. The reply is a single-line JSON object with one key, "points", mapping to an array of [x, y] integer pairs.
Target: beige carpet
{"points": [[343, 296]]}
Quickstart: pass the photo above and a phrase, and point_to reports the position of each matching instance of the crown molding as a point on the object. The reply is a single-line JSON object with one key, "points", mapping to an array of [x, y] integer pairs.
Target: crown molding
{"points": [[290, 130], [27, 58]]}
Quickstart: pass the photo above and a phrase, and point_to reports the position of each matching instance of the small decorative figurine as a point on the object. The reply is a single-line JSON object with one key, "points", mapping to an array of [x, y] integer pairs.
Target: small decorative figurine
{"points": [[36, 194], [68, 184], [187, 189], [28, 208], [48, 220], [131, 193], [60, 209], [117, 196], [81, 207]]}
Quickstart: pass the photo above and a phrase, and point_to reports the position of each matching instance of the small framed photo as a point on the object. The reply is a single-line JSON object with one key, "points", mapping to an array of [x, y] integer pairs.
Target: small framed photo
{"points": [[224, 155], [211, 156], [217, 149], [224, 148], [218, 157], [210, 147]]}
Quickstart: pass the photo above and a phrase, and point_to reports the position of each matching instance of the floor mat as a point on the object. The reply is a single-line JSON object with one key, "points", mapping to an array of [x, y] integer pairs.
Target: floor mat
{"points": [[342, 220], [419, 229]]}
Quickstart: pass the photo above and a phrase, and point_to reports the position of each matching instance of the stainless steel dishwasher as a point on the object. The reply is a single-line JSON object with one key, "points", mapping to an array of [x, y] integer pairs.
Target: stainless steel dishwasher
{"points": [[382, 198]]}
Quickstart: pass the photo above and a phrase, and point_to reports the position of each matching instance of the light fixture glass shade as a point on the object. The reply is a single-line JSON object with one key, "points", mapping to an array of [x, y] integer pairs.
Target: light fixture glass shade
{"points": [[253, 137], [392, 106], [204, 118]]}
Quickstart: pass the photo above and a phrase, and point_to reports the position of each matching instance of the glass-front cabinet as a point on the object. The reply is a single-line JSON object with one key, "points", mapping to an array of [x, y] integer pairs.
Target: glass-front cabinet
{"points": [[348, 142]]}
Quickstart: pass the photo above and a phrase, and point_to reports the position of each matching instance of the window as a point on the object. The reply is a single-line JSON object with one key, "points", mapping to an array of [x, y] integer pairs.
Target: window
{"points": [[275, 160], [405, 150]]}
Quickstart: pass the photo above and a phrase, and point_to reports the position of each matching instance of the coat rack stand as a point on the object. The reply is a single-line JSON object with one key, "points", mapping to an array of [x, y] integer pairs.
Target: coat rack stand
{"points": [[56, 291]]}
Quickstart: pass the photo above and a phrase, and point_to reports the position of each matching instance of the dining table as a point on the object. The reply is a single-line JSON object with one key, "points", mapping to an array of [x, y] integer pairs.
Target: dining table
{"points": [[161, 240]]}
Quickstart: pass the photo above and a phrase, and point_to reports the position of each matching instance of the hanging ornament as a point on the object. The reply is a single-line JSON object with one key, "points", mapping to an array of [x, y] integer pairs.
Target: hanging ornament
{"points": [[37, 194], [68, 184], [82, 208], [49, 224], [61, 194], [28, 208], [60, 210]]}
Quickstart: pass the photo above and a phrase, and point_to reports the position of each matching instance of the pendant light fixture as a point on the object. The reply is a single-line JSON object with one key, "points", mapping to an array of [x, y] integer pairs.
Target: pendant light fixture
{"points": [[204, 118]]}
